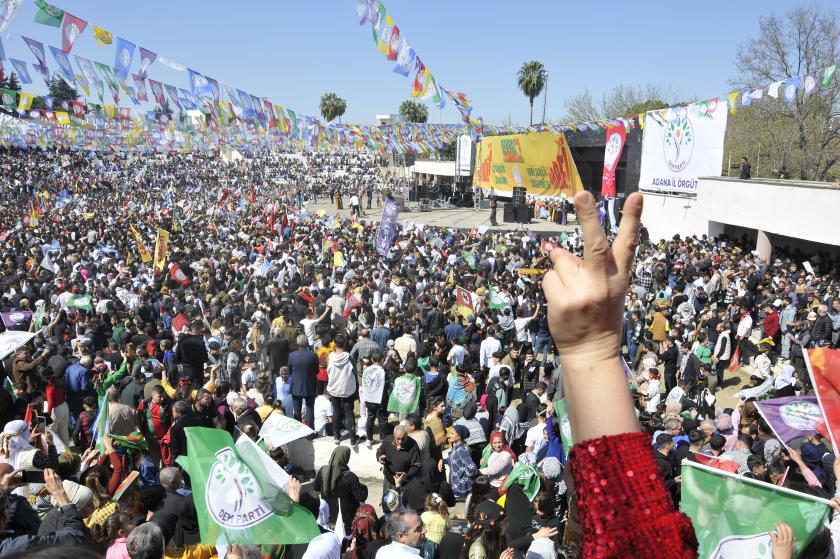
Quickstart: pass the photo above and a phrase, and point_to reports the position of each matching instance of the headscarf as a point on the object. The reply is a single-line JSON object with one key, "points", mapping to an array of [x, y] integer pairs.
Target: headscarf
{"points": [[459, 387], [463, 431], [14, 441], [785, 378], [512, 424], [518, 512], [812, 456], [363, 523], [552, 468], [331, 472], [497, 435]]}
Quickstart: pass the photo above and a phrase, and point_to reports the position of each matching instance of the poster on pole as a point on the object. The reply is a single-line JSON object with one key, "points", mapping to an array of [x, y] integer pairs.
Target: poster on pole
{"points": [[388, 226], [682, 144], [465, 146]]}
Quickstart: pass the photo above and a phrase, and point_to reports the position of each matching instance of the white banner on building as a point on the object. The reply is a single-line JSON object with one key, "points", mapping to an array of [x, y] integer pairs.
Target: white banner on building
{"points": [[465, 146], [681, 144]]}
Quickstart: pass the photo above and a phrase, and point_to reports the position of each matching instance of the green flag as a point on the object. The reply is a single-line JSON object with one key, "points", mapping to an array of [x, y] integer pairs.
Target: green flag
{"points": [[83, 302], [495, 299], [526, 475], [9, 99], [563, 424], [405, 394], [237, 494], [38, 319], [827, 74], [732, 515], [471, 259], [48, 14]]}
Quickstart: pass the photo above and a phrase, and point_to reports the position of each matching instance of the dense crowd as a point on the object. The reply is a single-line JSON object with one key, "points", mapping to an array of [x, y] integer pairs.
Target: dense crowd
{"points": [[263, 307]]}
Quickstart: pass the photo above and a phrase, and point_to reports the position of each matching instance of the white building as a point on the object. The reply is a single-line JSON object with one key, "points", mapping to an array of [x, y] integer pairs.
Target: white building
{"points": [[798, 214]]}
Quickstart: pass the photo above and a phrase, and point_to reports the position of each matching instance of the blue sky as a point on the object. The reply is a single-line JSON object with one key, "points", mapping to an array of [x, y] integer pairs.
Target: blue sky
{"points": [[292, 52]]}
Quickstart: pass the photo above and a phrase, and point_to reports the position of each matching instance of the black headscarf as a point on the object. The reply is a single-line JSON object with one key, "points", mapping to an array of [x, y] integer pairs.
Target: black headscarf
{"points": [[330, 473], [518, 513]]}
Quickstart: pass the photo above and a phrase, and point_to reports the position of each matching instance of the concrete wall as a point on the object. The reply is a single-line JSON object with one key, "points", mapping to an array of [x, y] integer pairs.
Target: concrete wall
{"points": [[800, 210]]}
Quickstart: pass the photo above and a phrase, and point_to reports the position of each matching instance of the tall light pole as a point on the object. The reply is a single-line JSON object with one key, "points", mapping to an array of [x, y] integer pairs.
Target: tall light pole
{"points": [[545, 96]]}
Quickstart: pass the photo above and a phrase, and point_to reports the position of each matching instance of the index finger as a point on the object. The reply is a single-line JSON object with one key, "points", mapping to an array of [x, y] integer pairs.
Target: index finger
{"points": [[594, 241], [624, 247]]}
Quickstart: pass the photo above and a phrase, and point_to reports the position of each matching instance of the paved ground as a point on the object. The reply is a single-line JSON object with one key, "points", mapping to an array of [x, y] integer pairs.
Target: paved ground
{"points": [[440, 217]]}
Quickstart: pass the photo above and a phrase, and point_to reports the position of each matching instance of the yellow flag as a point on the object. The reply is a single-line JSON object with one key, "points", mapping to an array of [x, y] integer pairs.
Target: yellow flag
{"points": [[141, 246], [25, 101], [451, 279], [110, 110], [732, 97], [161, 246], [102, 37], [62, 117], [338, 259]]}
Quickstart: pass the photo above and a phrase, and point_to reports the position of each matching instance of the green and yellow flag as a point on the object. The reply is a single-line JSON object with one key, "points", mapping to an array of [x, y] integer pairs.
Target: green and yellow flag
{"points": [[103, 37]]}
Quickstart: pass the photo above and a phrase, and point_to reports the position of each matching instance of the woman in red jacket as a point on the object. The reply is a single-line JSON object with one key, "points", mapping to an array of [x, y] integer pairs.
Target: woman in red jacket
{"points": [[623, 506]]}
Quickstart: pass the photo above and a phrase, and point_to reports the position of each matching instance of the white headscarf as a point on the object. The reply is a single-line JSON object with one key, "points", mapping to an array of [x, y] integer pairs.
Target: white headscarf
{"points": [[785, 378], [14, 441]]}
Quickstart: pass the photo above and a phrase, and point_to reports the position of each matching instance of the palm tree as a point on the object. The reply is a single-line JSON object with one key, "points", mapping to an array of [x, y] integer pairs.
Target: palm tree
{"points": [[414, 111], [332, 106], [531, 80]]}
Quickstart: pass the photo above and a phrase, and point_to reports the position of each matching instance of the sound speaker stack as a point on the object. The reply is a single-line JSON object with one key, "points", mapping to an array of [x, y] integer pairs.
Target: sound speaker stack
{"points": [[519, 195]]}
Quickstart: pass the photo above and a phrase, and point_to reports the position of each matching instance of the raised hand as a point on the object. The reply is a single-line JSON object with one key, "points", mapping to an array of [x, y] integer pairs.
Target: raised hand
{"points": [[586, 297]]}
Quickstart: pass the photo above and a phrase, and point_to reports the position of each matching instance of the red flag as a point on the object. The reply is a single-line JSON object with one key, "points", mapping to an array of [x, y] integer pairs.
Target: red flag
{"points": [[271, 221], [466, 298], [178, 275], [251, 196], [78, 109], [350, 302], [284, 221], [71, 27], [725, 465], [616, 136], [735, 358], [393, 46], [30, 415], [824, 368]]}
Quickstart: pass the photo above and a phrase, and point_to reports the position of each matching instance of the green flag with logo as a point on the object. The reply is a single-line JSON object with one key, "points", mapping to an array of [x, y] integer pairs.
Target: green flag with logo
{"points": [[562, 416], [471, 259], [495, 299], [48, 14], [405, 395], [239, 494], [83, 302], [9, 99], [38, 319], [733, 515]]}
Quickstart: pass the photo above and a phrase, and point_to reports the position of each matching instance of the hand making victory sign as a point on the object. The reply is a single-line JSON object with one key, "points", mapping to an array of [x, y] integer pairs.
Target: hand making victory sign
{"points": [[585, 306]]}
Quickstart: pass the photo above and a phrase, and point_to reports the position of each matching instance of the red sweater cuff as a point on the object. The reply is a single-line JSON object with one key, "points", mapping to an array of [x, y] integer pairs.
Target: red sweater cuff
{"points": [[624, 507]]}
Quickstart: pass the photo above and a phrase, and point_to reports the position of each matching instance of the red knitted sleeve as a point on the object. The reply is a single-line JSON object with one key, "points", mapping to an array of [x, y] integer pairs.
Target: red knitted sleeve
{"points": [[624, 508]]}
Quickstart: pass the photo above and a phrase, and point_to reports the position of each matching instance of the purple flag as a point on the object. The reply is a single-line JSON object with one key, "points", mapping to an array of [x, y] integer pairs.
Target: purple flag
{"points": [[791, 417], [147, 58], [14, 319], [387, 227]]}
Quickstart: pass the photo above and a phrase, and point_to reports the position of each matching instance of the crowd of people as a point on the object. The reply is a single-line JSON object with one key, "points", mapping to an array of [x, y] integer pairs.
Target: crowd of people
{"points": [[263, 307]]}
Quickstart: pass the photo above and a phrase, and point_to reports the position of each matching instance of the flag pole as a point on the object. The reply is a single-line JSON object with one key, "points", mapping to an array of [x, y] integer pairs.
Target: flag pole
{"points": [[763, 484]]}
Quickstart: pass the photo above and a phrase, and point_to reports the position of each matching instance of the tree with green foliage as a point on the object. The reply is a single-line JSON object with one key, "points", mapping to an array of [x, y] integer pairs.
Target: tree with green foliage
{"points": [[798, 140], [10, 82], [332, 106], [622, 100], [414, 111], [531, 80], [59, 89]]}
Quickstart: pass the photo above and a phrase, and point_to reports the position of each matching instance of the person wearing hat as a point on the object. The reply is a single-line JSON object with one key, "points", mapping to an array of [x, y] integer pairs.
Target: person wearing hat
{"points": [[461, 465]]}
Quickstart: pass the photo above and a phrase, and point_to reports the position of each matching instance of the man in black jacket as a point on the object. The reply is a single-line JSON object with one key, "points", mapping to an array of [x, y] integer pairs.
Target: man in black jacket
{"points": [[664, 446], [181, 419], [821, 332], [278, 353], [670, 357], [691, 369], [191, 354]]}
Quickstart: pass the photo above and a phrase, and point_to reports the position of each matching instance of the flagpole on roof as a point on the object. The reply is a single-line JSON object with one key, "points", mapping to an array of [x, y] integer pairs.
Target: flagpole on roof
{"points": [[764, 484]]}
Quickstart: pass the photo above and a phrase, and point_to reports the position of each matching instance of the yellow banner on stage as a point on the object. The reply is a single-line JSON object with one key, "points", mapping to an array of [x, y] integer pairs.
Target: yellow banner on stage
{"points": [[541, 162], [161, 246]]}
